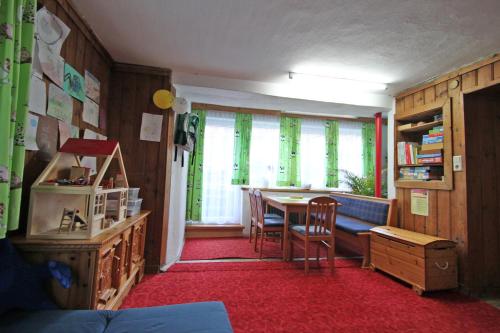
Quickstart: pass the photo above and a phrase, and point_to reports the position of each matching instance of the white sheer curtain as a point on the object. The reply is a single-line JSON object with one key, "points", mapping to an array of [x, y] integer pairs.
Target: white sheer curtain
{"points": [[350, 150], [221, 201], [313, 153], [264, 150]]}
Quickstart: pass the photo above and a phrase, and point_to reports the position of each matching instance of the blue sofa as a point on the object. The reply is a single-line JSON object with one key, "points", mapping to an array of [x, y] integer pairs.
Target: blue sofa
{"points": [[206, 317], [357, 215]]}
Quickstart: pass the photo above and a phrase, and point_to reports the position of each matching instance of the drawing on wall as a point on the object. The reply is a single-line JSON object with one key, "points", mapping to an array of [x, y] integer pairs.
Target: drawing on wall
{"points": [[73, 82], [90, 112], [51, 30], [46, 138], [75, 132], [60, 104], [38, 95], [92, 87], [52, 64], [64, 132], [30, 134], [151, 127]]}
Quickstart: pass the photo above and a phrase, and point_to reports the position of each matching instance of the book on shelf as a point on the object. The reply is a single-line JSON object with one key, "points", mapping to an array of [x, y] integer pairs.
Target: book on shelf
{"points": [[436, 130], [430, 156], [432, 146], [407, 152], [421, 173], [427, 139]]}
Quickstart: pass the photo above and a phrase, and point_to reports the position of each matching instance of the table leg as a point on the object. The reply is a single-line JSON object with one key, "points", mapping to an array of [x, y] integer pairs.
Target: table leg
{"points": [[285, 234]]}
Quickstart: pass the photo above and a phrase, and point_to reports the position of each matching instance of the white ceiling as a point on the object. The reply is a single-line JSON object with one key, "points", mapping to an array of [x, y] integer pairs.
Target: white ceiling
{"points": [[399, 42]]}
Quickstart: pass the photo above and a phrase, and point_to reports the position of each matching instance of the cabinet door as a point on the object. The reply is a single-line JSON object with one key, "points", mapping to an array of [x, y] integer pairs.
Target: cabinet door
{"points": [[138, 238], [125, 255], [108, 279]]}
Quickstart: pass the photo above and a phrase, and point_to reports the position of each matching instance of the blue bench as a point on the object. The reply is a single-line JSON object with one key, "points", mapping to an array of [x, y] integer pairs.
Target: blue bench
{"points": [[206, 317], [357, 215]]}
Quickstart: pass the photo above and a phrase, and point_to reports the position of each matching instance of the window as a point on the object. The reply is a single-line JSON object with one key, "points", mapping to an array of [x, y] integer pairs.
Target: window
{"points": [[313, 153], [350, 148], [221, 202], [264, 150]]}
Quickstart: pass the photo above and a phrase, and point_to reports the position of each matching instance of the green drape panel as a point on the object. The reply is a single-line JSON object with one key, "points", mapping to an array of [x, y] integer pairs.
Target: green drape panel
{"points": [[332, 153], [368, 137], [289, 159], [16, 46], [241, 153], [195, 173]]}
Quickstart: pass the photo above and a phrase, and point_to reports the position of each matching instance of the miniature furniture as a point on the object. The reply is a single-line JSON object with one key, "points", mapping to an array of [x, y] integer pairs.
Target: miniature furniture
{"points": [[207, 317], [319, 229], [264, 224], [105, 267], [356, 215], [56, 199], [425, 262]]}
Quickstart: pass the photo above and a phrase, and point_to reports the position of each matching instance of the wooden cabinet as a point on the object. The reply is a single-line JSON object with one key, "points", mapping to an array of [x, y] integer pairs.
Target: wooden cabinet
{"points": [[425, 262], [104, 267]]}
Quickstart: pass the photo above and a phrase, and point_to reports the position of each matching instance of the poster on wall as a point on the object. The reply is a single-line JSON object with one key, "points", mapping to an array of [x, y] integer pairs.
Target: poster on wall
{"points": [[90, 113], [38, 95], [51, 30], [60, 104], [30, 134], [73, 82], [64, 132], [420, 202], [151, 127], [52, 64], [92, 87]]}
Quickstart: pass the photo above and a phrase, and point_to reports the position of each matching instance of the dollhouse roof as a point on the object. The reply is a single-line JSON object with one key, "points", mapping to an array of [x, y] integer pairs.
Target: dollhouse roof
{"points": [[87, 147]]}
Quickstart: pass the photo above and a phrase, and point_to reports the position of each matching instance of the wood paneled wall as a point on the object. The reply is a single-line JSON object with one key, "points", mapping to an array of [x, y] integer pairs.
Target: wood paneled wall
{"points": [[83, 51], [448, 209], [148, 164]]}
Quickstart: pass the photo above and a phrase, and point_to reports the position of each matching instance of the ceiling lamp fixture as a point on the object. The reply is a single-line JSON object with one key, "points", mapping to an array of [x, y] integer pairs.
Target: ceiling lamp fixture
{"points": [[336, 83]]}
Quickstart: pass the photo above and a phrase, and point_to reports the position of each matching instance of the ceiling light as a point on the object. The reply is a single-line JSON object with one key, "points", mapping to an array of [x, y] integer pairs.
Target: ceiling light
{"points": [[336, 83]]}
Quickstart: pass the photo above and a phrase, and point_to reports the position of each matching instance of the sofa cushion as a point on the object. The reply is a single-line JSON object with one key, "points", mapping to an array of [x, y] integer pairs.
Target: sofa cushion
{"points": [[300, 228], [203, 317], [352, 225], [51, 321], [369, 211]]}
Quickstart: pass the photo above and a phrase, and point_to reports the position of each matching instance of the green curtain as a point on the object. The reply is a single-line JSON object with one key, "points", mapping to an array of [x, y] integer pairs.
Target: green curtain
{"points": [[241, 152], [368, 137], [289, 159], [332, 153], [16, 45], [195, 173]]}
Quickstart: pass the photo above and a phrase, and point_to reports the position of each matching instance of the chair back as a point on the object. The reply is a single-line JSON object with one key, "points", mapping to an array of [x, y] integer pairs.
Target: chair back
{"points": [[253, 205], [259, 203], [324, 211]]}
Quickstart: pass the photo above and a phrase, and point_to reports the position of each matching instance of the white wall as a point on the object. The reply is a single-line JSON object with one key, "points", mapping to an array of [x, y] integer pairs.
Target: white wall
{"points": [[177, 209]]}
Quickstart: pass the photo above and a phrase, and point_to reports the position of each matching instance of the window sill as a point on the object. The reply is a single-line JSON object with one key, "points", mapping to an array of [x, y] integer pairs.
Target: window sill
{"points": [[214, 230]]}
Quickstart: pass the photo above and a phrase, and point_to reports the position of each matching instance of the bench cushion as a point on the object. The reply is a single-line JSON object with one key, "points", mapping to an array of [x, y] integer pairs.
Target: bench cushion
{"points": [[272, 216], [274, 222], [206, 317], [300, 228], [352, 225], [203, 317], [369, 211]]}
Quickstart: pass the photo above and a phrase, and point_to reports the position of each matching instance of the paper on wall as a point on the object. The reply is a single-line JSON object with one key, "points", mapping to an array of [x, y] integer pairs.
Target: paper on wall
{"points": [[36, 67], [46, 138], [73, 82], [92, 87], [64, 132], [30, 134], [38, 95], [151, 127], [52, 64], [51, 30], [60, 104], [75, 132], [89, 161], [90, 112]]}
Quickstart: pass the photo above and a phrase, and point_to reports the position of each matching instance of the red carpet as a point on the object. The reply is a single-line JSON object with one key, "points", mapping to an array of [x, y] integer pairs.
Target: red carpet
{"points": [[278, 297], [221, 248]]}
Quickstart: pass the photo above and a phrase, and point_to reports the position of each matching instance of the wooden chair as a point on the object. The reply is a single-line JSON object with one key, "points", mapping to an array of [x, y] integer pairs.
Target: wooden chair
{"points": [[319, 229], [265, 224], [253, 213]]}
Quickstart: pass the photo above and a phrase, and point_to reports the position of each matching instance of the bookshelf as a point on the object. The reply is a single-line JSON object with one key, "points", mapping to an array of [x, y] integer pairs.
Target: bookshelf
{"points": [[427, 166]]}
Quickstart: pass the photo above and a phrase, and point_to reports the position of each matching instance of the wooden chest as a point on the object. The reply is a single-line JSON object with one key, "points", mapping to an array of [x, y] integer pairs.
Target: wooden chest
{"points": [[104, 267], [425, 262]]}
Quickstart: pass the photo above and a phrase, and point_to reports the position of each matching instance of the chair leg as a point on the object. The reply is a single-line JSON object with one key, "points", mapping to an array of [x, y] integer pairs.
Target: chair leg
{"points": [[331, 256], [251, 233], [317, 252], [256, 238], [291, 249], [282, 240], [306, 259], [261, 243]]}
